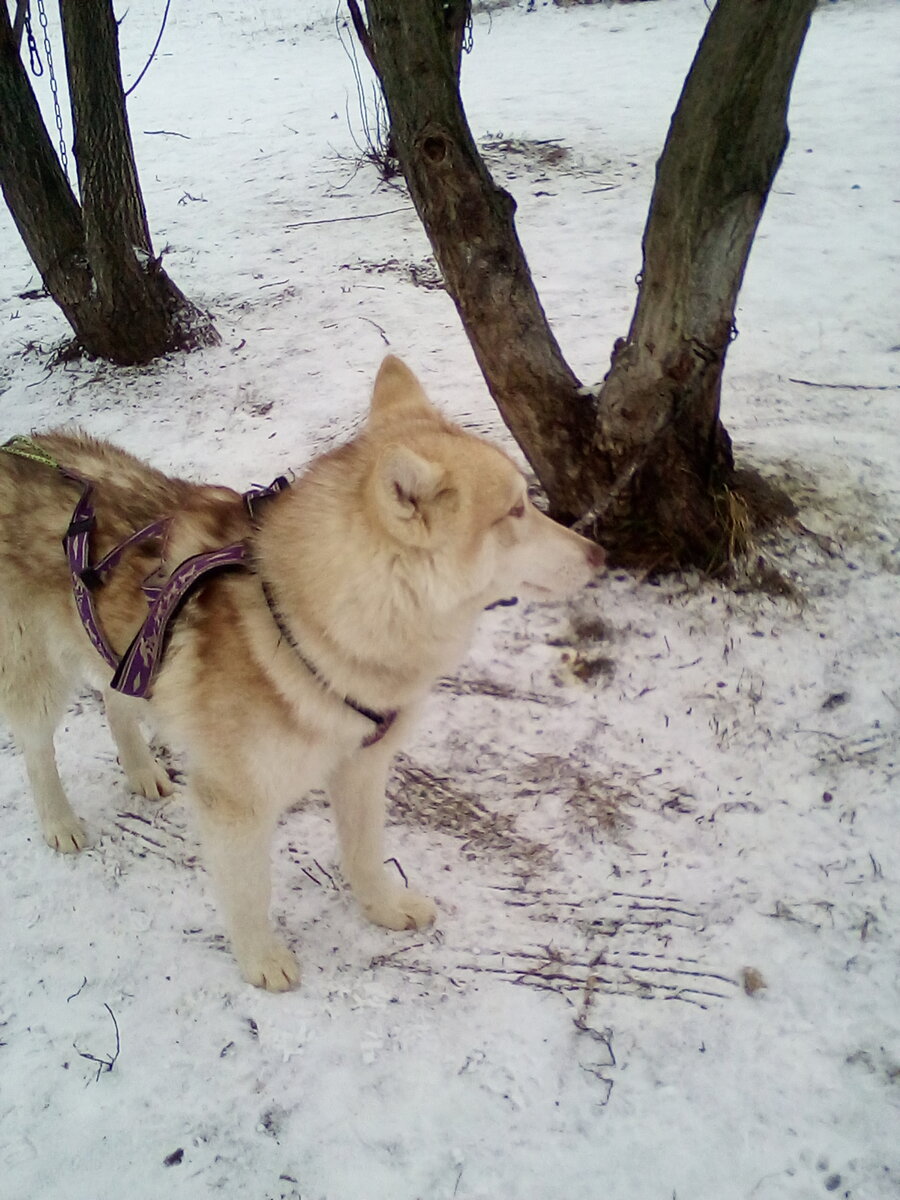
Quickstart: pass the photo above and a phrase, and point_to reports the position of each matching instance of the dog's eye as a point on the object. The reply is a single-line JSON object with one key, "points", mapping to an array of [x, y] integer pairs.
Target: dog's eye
{"points": [[516, 513]]}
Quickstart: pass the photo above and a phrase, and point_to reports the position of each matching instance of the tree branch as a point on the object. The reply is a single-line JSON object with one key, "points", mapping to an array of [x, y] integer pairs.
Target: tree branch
{"points": [[362, 32], [19, 22]]}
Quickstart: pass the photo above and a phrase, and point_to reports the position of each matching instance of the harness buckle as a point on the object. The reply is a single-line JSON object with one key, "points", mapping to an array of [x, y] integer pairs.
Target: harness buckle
{"points": [[256, 497], [91, 579], [79, 525]]}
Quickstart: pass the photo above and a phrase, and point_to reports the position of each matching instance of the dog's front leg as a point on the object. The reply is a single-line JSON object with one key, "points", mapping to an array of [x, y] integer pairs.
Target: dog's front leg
{"points": [[356, 791], [145, 775], [62, 830], [236, 837]]}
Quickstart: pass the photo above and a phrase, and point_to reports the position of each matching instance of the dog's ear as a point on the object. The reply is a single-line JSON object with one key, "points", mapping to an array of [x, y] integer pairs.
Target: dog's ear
{"points": [[412, 493], [407, 482], [397, 391]]}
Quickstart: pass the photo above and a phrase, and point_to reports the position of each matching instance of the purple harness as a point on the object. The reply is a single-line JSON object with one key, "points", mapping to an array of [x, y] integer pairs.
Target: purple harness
{"points": [[133, 673]]}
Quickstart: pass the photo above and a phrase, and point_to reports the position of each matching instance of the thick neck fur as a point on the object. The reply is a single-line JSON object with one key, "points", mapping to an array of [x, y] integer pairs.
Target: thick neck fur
{"points": [[375, 616]]}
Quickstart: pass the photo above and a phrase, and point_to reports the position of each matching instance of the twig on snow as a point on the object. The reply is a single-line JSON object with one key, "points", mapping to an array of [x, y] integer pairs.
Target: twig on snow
{"points": [[107, 1063], [399, 868], [848, 387], [384, 336], [383, 960], [358, 217], [327, 874], [80, 990]]}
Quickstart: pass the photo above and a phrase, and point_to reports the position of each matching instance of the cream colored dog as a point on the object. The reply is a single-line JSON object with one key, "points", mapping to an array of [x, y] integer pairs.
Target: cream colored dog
{"points": [[365, 580]]}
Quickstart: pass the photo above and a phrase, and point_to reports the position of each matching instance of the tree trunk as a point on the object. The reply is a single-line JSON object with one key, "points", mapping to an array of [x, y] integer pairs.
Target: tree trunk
{"points": [[142, 312], [645, 462], [35, 188], [469, 221], [455, 19], [661, 460], [19, 21], [96, 261]]}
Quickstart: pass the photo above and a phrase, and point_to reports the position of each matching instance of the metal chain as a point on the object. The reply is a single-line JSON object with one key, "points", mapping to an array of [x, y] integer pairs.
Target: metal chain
{"points": [[57, 112], [37, 67], [468, 34]]}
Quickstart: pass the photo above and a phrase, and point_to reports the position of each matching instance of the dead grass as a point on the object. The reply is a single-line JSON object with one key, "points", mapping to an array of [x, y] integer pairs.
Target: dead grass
{"points": [[593, 804], [528, 152], [422, 798], [425, 274]]}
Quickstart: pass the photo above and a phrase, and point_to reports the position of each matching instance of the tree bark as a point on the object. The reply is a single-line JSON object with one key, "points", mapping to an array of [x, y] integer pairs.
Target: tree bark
{"points": [[96, 260], [142, 312], [19, 21], [35, 188], [643, 462], [469, 221], [658, 427]]}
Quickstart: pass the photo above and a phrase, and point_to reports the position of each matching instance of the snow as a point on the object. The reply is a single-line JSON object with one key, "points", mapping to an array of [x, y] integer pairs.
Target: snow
{"points": [[661, 822]]}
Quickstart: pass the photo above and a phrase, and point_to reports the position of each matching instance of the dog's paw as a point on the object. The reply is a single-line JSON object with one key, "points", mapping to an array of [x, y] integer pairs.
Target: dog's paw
{"points": [[67, 835], [272, 967], [401, 908], [150, 780]]}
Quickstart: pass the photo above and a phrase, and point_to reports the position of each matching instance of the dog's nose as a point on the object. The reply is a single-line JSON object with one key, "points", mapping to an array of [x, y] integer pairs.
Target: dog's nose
{"points": [[596, 556]]}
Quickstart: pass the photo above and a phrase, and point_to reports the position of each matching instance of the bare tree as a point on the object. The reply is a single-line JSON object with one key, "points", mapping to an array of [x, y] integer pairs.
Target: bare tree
{"points": [[643, 461], [96, 258]]}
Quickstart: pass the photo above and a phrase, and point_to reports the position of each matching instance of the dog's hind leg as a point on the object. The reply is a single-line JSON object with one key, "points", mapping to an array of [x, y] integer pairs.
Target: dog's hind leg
{"points": [[236, 840], [356, 791], [145, 775]]}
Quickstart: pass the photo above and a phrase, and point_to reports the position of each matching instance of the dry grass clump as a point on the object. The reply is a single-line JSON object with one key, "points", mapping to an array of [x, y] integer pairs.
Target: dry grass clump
{"points": [[419, 797]]}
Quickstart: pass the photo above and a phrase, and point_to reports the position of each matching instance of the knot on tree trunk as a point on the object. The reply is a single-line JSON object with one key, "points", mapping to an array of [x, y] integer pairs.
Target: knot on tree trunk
{"points": [[434, 148]]}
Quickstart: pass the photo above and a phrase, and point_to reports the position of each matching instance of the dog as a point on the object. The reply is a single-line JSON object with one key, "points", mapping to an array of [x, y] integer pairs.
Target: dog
{"points": [[364, 579]]}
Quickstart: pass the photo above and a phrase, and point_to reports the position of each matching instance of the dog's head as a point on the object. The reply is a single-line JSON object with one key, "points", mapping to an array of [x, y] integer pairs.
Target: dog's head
{"points": [[460, 506]]}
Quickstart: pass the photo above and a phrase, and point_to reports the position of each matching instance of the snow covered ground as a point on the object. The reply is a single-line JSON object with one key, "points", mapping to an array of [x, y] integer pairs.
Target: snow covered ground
{"points": [[662, 822]]}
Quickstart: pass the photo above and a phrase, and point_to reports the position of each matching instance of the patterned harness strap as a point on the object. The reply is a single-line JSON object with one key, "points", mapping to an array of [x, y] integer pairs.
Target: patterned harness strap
{"points": [[76, 543], [133, 674], [85, 578]]}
